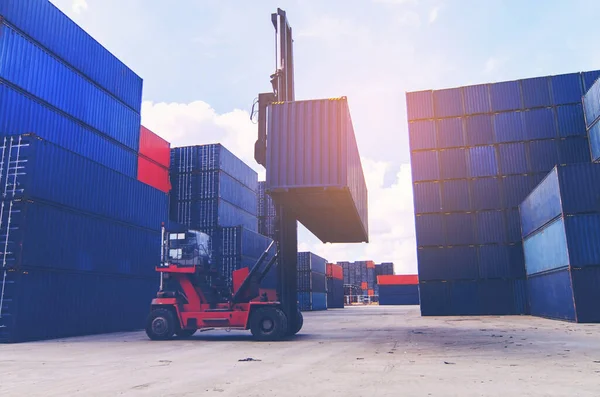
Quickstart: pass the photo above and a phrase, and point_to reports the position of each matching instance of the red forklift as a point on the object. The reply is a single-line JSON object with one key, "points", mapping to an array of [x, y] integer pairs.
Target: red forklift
{"points": [[194, 296], [191, 296]]}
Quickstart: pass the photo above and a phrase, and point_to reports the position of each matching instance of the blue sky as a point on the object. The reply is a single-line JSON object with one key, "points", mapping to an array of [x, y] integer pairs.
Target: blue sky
{"points": [[204, 61]]}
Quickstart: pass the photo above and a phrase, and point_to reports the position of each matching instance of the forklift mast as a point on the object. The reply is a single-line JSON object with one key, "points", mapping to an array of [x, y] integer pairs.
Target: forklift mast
{"points": [[286, 229]]}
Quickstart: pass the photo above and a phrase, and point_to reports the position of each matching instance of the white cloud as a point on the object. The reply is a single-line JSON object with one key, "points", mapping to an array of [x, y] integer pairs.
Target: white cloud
{"points": [[79, 5], [433, 14], [198, 123], [410, 19], [391, 219]]}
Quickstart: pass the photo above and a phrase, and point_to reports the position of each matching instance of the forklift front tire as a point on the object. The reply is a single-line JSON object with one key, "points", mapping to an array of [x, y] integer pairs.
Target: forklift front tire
{"points": [[160, 324], [299, 324], [268, 324]]}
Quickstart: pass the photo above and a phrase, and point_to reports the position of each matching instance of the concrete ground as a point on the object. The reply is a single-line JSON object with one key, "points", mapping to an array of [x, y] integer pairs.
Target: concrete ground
{"points": [[358, 351]]}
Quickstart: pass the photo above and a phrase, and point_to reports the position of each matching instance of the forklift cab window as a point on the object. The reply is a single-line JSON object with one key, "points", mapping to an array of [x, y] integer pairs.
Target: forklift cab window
{"points": [[175, 253]]}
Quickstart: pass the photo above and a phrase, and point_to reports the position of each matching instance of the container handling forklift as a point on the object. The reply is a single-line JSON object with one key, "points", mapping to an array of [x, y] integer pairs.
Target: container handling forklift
{"points": [[192, 296]]}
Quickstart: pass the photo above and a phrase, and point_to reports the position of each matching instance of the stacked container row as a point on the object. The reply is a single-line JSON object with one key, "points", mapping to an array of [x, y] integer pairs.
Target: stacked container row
{"points": [[211, 187], [78, 226], [362, 276], [398, 289], [560, 226], [335, 286], [312, 284], [476, 152]]}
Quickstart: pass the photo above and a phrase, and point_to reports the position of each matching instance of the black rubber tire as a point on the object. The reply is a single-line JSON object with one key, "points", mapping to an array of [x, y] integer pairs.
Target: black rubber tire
{"points": [[268, 324], [299, 324], [160, 324], [185, 333]]}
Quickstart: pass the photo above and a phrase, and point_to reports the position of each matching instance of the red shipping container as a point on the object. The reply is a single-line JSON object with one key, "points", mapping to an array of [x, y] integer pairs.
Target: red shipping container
{"points": [[335, 271], [408, 279], [153, 174], [154, 147], [364, 285], [371, 292], [370, 265]]}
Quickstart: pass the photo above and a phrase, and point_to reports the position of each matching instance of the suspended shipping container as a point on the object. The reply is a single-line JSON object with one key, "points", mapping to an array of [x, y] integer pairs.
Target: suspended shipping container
{"points": [[66, 40], [314, 166]]}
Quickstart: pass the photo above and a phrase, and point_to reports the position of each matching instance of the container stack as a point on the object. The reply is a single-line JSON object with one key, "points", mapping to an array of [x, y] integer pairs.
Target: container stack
{"points": [[78, 226], [476, 152], [335, 286], [211, 187], [560, 225], [312, 285], [153, 160], [213, 191], [398, 289], [383, 269]]}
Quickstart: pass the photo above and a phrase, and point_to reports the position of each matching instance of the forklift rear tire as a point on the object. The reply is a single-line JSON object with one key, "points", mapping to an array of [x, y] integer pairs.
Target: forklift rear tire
{"points": [[160, 324], [268, 324], [185, 333], [299, 324]]}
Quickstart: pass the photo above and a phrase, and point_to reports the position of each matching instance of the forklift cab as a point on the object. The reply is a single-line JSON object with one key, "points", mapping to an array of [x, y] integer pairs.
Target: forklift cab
{"points": [[189, 248]]}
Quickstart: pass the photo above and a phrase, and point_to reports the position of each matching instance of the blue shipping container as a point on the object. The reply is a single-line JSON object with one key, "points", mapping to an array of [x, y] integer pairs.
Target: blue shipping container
{"points": [[501, 261], [32, 168], [594, 137], [20, 113], [453, 164], [212, 185], [543, 155], [430, 230], [307, 261], [335, 293], [571, 121], [312, 301], [399, 294], [311, 145], [540, 124], [311, 282], [448, 102], [459, 228], [591, 104], [62, 37], [574, 150], [482, 161], [426, 166], [427, 197], [46, 236], [490, 227], [567, 190], [566, 88], [509, 127], [455, 196], [513, 158], [477, 99], [32, 69], [419, 105], [515, 189], [505, 96], [589, 78], [450, 133], [551, 295], [486, 193], [547, 249], [536, 92], [422, 135], [479, 130], [208, 214], [447, 263], [586, 290]]}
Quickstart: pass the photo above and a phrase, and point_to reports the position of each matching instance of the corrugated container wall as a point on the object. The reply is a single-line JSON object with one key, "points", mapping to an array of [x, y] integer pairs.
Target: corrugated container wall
{"points": [[313, 164], [67, 41], [487, 150], [561, 226], [591, 107]]}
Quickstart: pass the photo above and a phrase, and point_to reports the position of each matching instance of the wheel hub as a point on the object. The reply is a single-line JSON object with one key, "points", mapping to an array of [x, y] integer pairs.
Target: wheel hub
{"points": [[267, 324], [159, 325]]}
